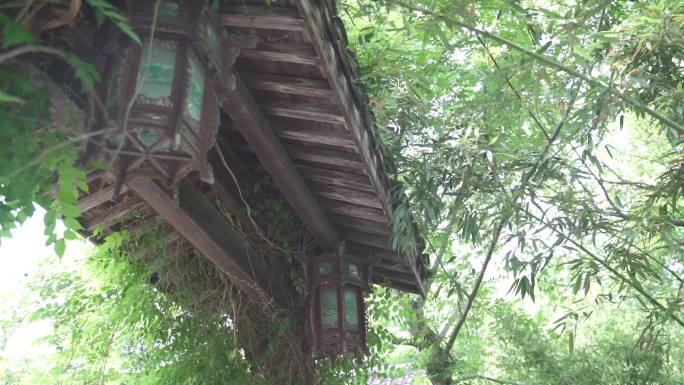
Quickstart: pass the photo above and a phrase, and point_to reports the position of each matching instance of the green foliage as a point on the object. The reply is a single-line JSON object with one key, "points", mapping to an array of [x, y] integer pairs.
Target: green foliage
{"points": [[13, 33], [112, 326], [30, 166], [105, 10], [557, 123], [39, 158], [544, 137]]}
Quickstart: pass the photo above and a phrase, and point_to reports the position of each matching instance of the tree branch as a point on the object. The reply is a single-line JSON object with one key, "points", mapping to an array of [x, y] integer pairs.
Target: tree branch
{"points": [[518, 192], [635, 285], [550, 62], [478, 282]]}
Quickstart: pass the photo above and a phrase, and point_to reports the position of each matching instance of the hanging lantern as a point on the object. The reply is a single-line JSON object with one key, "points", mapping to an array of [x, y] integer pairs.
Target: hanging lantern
{"points": [[338, 321], [161, 94]]}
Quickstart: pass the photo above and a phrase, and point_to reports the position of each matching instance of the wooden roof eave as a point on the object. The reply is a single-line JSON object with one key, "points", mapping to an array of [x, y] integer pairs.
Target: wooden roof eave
{"points": [[329, 39]]}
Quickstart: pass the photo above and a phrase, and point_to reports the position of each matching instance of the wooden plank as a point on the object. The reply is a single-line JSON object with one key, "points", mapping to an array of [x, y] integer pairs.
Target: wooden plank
{"points": [[261, 17], [404, 275], [308, 135], [304, 111], [407, 286], [329, 159], [198, 221], [288, 85], [346, 195], [392, 265], [282, 52], [339, 160], [97, 198], [336, 178], [246, 114], [361, 212], [331, 177], [379, 241], [113, 214], [361, 225]]}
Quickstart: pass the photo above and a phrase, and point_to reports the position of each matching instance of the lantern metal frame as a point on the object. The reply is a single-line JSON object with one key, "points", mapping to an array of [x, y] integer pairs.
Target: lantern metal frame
{"points": [[340, 274], [162, 137]]}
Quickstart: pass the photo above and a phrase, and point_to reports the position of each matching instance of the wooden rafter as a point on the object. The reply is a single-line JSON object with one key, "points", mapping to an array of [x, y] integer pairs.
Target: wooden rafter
{"points": [[247, 116], [198, 221]]}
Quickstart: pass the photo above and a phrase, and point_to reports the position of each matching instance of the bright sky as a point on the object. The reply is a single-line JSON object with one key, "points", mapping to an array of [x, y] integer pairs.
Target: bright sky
{"points": [[21, 257]]}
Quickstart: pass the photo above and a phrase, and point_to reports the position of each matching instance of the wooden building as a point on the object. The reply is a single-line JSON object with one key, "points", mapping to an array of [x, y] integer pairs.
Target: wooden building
{"points": [[294, 110]]}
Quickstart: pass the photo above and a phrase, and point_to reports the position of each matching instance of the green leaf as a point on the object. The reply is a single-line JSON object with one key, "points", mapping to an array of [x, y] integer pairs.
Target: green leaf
{"points": [[72, 223], [5, 98], [13, 33], [70, 210], [105, 10], [85, 72], [60, 246]]}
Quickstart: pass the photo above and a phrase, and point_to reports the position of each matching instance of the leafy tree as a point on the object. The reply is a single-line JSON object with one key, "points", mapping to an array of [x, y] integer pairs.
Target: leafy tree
{"points": [[541, 146], [513, 125]]}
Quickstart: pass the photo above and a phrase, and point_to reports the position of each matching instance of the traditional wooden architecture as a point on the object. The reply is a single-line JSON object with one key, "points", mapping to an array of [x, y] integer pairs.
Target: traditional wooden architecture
{"points": [[291, 107]]}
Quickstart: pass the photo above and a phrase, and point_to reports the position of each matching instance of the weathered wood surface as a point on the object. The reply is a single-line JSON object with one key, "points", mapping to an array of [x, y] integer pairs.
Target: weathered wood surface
{"points": [[288, 85], [266, 17], [247, 116], [282, 52], [297, 113], [198, 221], [113, 214], [98, 198]]}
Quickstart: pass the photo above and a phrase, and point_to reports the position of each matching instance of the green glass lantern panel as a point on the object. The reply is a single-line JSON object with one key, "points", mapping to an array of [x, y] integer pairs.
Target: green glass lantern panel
{"points": [[328, 308], [148, 137], [157, 74], [194, 106], [351, 308], [353, 270], [169, 10], [325, 268]]}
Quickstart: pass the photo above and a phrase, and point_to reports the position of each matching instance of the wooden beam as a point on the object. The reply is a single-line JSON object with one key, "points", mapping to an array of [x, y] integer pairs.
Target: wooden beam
{"points": [[361, 225], [114, 214], [261, 17], [244, 111], [392, 265], [378, 241], [400, 284], [308, 135], [406, 275], [200, 223], [282, 52], [97, 198], [288, 85], [304, 111]]}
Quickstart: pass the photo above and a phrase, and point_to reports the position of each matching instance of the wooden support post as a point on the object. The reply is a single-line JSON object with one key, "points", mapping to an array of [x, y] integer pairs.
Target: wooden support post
{"points": [[243, 110], [198, 221]]}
